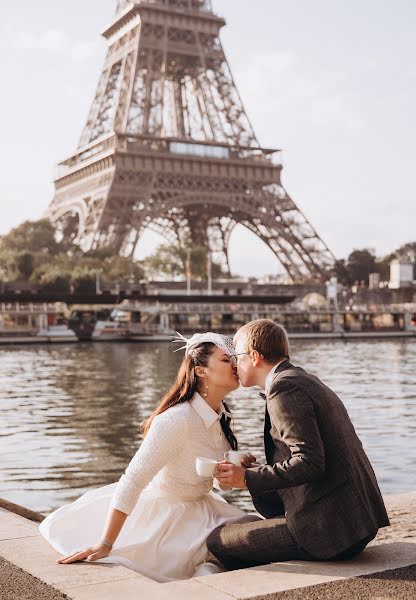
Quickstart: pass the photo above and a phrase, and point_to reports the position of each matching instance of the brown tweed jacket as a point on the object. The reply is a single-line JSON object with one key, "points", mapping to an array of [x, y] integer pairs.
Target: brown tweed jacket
{"points": [[317, 472]]}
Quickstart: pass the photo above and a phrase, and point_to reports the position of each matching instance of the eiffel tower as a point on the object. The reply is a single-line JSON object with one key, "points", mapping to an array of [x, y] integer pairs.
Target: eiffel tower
{"points": [[168, 146]]}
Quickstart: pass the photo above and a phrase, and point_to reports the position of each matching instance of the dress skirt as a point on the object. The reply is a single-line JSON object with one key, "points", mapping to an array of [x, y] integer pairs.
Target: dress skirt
{"points": [[164, 538]]}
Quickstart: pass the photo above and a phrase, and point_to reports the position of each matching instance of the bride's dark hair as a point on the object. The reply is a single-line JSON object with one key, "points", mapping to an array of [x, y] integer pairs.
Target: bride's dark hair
{"points": [[185, 386]]}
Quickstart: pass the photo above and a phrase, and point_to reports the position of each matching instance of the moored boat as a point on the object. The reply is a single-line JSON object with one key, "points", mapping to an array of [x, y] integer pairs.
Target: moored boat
{"points": [[32, 323], [133, 322]]}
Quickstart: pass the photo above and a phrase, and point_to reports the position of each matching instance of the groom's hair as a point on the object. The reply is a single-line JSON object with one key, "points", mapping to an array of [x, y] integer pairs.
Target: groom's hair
{"points": [[267, 337]]}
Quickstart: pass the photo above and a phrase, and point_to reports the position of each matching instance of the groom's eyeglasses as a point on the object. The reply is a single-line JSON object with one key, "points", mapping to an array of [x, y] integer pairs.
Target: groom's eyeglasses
{"points": [[235, 356]]}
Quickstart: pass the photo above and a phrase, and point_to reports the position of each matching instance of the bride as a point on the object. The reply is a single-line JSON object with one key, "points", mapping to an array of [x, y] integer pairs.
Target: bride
{"points": [[156, 519]]}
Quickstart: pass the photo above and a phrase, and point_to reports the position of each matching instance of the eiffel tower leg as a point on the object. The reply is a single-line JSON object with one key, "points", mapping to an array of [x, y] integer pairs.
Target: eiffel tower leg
{"points": [[87, 198], [284, 228]]}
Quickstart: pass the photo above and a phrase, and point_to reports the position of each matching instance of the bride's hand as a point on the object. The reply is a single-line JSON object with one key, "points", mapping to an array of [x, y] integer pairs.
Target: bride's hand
{"points": [[90, 554]]}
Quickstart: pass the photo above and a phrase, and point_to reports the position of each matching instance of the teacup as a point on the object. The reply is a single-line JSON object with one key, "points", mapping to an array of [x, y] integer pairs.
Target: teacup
{"points": [[205, 467], [235, 456]]}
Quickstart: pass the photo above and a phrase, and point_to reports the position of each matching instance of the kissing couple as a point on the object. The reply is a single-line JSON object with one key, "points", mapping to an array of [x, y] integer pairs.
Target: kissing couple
{"points": [[317, 496]]}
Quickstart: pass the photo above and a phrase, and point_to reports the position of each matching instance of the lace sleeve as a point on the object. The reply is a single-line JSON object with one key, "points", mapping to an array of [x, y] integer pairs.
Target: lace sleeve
{"points": [[162, 444]]}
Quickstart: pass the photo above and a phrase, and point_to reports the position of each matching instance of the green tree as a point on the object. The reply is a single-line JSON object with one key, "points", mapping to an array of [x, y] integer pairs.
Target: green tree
{"points": [[31, 236], [8, 266], [80, 270], [171, 262], [408, 250], [26, 265], [59, 268], [166, 262], [360, 264], [341, 271], [120, 268], [383, 267]]}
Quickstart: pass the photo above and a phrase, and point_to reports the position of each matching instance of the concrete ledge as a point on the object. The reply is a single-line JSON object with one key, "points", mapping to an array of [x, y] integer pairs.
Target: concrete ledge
{"points": [[396, 584], [21, 510], [21, 545], [279, 577]]}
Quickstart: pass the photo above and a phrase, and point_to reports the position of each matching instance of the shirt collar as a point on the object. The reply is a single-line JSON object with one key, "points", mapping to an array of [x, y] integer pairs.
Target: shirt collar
{"points": [[269, 377], [204, 410]]}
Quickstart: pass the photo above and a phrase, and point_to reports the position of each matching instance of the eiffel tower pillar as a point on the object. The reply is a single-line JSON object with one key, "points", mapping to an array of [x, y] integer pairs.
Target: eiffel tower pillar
{"points": [[168, 146]]}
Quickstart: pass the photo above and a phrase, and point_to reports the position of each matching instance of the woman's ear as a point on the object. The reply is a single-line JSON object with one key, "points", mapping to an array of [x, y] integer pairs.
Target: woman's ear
{"points": [[200, 372]]}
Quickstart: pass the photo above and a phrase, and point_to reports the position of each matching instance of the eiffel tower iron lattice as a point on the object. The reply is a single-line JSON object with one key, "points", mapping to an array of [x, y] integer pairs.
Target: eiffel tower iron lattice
{"points": [[168, 146]]}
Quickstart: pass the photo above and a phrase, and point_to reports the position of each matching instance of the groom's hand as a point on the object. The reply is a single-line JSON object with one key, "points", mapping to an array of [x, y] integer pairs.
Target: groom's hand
{"points": [[248, 461], [231, 475]]}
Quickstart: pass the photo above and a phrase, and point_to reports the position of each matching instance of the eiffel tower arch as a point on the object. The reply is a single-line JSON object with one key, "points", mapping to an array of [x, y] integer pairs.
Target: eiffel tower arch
{"points": [[168, 146]]}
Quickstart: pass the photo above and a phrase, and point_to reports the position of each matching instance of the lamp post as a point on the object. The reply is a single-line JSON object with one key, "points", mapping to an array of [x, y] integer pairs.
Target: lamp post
{"points": [[209, 272], [332, 297], [188, 271], [97, 282]]}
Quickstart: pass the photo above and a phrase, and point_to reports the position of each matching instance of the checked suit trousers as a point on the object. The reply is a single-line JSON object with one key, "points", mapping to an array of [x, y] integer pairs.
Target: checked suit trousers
{"points": [[238, 546]]}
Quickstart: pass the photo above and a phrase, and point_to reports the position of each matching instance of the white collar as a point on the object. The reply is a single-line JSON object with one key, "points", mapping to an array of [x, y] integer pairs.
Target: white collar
{"points": [[204, 410], [269, 377]]}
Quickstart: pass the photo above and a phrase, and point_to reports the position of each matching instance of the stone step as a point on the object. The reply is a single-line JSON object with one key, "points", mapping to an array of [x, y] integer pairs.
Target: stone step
{"points": [[22, 545]]}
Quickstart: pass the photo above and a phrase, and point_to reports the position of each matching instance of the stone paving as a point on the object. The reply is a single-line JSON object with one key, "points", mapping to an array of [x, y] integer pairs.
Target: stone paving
{"points": [[395, 584], [402, 512], [17, 584]]}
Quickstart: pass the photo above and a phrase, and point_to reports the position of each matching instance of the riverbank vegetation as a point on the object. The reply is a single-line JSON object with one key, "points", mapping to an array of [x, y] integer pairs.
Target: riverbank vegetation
{"points": [[31, 252]]}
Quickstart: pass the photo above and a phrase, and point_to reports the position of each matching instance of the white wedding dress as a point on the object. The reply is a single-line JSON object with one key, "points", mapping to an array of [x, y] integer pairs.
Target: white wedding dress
{"points": [[171, 509]]}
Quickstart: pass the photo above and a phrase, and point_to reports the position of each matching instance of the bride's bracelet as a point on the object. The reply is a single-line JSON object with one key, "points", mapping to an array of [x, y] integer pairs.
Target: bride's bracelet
{"points": [[107, 543]]}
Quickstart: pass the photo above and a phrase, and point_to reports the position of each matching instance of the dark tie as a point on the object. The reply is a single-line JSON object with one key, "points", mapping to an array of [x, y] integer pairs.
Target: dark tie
{"points": [[267, 426]]}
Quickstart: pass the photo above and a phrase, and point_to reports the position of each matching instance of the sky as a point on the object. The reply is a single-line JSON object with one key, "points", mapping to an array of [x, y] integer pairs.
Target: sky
{"points": [[331, 83]]}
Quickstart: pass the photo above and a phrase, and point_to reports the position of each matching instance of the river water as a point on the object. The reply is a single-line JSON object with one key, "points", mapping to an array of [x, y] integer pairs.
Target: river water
{"points": [[69, 414]]}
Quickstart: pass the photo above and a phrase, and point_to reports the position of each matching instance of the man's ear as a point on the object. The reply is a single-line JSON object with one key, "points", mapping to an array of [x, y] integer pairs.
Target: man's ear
{"points": [[256, 358], [200, 372]]}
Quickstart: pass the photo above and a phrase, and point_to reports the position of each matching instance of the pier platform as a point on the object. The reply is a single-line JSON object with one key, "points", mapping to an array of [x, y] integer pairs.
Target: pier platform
{"points": [[386, 569]]}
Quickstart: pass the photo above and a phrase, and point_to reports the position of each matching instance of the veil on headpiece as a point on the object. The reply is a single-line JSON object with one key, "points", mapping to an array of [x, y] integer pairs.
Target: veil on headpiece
{"points": [[222, 341]]}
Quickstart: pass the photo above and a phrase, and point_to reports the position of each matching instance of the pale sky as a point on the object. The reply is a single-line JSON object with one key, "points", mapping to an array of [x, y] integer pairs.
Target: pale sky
{"points": [[332, 83]]}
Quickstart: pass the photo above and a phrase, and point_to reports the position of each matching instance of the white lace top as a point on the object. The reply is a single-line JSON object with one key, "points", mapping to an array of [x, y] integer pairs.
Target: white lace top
{"points": [[168, 454]]}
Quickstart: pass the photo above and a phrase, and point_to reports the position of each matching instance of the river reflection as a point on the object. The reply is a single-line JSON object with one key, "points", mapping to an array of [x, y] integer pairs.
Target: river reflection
{"points": [[69, 415]]}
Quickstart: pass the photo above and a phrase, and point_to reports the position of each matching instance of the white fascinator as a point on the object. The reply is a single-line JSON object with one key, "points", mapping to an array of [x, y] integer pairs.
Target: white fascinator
{"points": [[222, 341]]}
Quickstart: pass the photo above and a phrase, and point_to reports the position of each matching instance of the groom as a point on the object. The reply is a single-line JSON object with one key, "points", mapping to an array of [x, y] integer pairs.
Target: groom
{"points": [[318, 491]]}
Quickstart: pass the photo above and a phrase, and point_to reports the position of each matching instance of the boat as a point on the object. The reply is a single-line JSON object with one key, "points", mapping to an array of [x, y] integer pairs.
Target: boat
{"points": [[134, 322], [57, 334], [23, 323], [83, 319], [109, 331]]}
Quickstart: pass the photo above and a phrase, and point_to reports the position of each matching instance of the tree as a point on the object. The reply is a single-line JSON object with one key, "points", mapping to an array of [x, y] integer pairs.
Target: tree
{"points": [[26, 265], [31, 236], [65, 269], [166, 262], [383, 267], [360, 264], [8, 266], [341, 271], [170, 262], [120, 268]]}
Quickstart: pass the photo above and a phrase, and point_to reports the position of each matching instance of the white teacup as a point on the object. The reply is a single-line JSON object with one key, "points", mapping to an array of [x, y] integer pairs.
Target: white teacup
{"points": [[205, 467], [235, 456]]}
